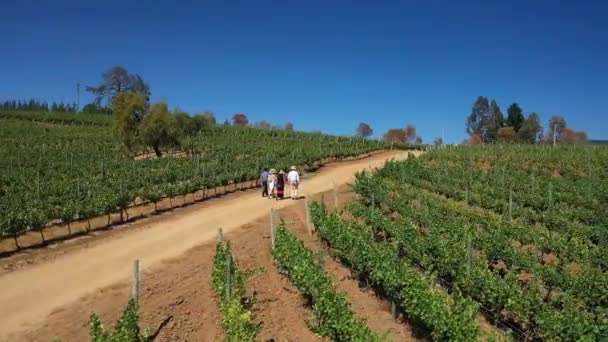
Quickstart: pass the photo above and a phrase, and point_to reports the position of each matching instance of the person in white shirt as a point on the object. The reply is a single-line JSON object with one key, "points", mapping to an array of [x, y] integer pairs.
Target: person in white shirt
{"points": [[272, 181], [293, 178]]}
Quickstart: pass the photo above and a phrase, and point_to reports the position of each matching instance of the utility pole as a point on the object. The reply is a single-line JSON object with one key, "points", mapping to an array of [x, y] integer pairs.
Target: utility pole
{"points": [[77, 97], [442, 136], [554, 133]]}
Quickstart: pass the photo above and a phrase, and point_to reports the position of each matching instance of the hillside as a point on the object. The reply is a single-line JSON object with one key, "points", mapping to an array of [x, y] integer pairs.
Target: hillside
{"points": [[67, 167]]}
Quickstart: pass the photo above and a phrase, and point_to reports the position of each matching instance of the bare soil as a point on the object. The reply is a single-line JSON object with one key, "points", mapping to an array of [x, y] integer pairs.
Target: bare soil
{"points": [[50, 292]]}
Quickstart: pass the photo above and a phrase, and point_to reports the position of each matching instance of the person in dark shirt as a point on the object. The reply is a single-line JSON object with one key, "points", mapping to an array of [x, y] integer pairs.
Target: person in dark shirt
{"points": [[280, 185], [264, 182]]}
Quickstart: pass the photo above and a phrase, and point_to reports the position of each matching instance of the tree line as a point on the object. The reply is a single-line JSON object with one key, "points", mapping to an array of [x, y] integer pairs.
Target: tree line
{"points": [[140, 123], [487, 124], [33, 105]]}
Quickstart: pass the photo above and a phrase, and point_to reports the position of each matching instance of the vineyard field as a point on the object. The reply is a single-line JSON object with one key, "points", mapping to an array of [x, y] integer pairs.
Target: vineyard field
{"points": [[515, 233], [75, 168]]}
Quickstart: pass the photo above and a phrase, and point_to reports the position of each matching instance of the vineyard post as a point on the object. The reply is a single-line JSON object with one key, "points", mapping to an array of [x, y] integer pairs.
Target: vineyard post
{"points": [[272, 227], [307, 208], [394, 312], [220, 235], [135, 285]]}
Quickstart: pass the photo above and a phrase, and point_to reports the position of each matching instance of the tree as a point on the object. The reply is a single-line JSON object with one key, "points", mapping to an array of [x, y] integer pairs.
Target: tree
{"points": [[364, 130], [410, 133], [475, 139], [263, 124], [158, 129], [506, 135], [240, 120], [530, 129], [497, 114], [481, 121], [117, 80], [438, 141], [515, 117], [418, 140], [289, 126], [204, 121], [184, 124], [226, 123], [557, 124], [570, 136], [128, 111], [397, 135]]}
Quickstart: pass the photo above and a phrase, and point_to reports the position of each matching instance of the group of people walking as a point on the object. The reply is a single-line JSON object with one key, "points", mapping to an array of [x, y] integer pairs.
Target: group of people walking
{"points": [[273, 183]]}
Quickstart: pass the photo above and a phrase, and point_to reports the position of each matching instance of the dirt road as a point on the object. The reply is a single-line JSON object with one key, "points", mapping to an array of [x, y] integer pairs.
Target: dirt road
{"points": [[28, 295]]}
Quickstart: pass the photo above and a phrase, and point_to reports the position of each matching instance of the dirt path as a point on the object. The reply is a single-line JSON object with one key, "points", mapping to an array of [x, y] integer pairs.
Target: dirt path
{"points": [[32, 293]]}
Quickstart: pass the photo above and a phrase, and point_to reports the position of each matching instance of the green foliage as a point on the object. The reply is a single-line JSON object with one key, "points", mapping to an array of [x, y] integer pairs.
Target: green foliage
{"points": [[237, 319], [335, 318], [515, 117], [83, 167], [439, 208], [530, 129], [484, 119], [128, 110], [126, 329], [449, 318], [159, 128]]}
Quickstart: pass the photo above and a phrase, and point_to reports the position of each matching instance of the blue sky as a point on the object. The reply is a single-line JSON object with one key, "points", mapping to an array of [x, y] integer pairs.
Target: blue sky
{"points": [[324, 65]]}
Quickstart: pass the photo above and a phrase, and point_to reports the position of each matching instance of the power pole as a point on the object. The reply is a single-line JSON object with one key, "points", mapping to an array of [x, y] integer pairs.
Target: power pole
{"points": [[443, 136], [77, 97], [554, 133]]}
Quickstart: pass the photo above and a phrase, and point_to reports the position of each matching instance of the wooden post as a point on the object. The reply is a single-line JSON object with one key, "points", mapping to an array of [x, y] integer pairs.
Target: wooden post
{"points": [[307, 209], [220, 234], [272, 227], [394, 312], [135, 285]]}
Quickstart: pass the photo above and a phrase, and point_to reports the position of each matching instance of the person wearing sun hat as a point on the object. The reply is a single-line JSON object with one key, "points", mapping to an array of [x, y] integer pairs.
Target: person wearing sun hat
{"points": [[280, 185], [272, 181], [293, 178]]}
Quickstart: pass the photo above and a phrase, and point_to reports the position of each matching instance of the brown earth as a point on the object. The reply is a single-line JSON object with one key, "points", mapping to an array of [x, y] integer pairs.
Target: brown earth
{"points": [[54, 290]]}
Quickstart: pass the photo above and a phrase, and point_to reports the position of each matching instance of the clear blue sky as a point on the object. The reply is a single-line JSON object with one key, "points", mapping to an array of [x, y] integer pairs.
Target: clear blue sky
{"points": [[323, 65]]}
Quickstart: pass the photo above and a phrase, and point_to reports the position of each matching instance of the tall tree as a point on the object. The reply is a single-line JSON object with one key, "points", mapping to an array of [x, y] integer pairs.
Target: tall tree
{"points": [[117, 80], [289, 126], [530, 129], [438, 141], [515, 117], [158, 128], [410, 133], [557, 124], [263, 124], [481, 122], [128, 111], [397, 135], [364, 130], [418, 140], [497, 114], [240, 119]]}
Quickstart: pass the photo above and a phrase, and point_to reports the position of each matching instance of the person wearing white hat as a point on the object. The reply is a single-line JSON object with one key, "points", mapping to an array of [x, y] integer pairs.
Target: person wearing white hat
{"points": [[293, 178], [272, 181]]}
